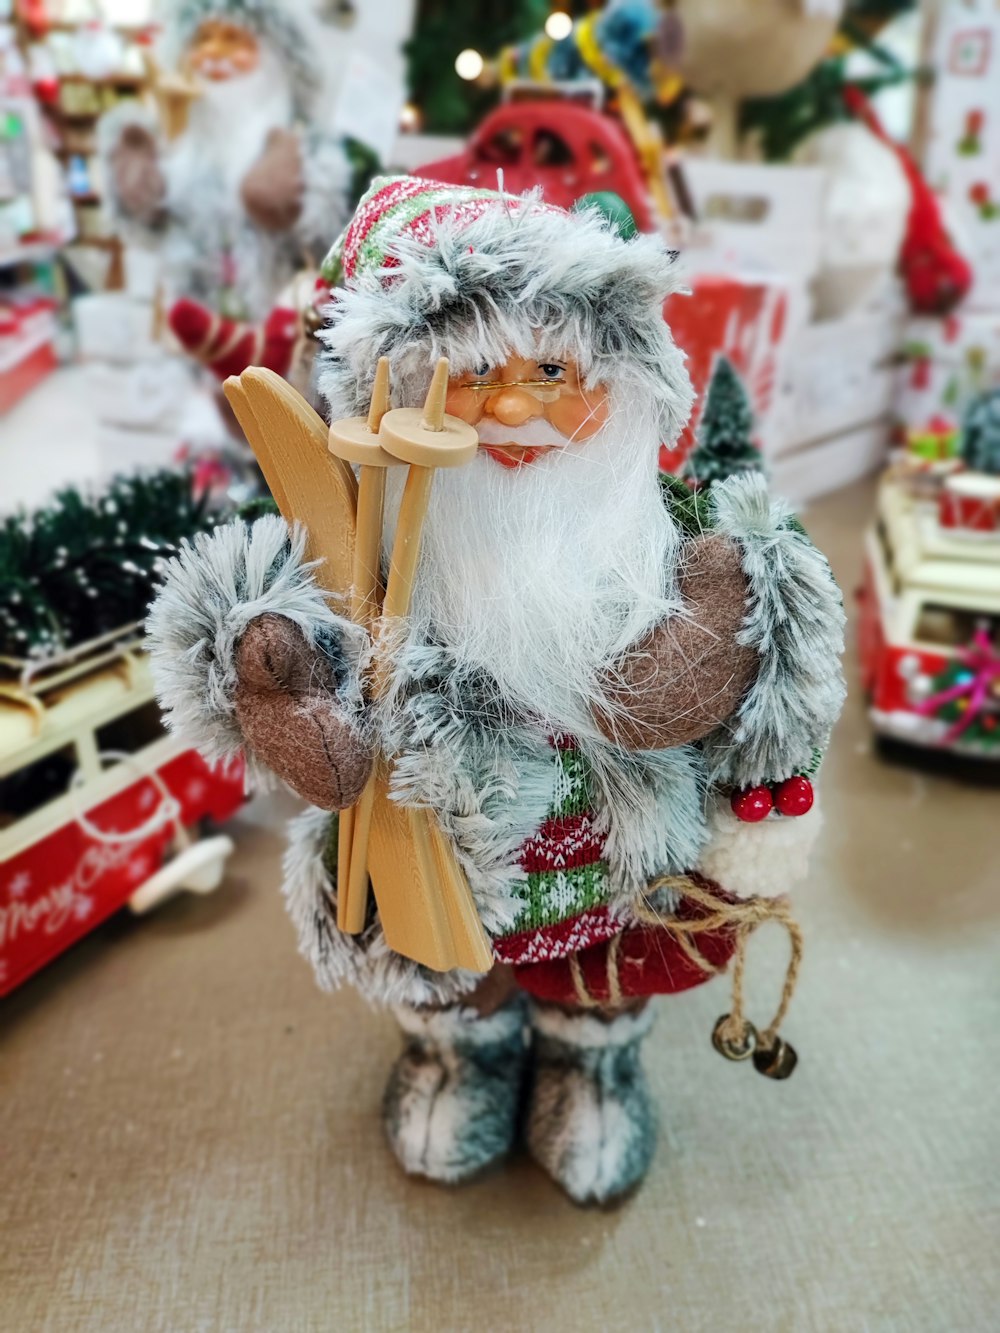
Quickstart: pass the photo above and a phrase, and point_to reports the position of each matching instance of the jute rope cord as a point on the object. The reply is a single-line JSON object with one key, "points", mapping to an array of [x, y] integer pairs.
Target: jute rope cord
{"points": [[741, 918]]}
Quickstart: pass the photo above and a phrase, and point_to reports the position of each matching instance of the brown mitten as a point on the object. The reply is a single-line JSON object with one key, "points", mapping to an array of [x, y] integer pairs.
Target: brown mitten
{"points": [[688, 674], [292, 720], [139, 183], [272, 189]]}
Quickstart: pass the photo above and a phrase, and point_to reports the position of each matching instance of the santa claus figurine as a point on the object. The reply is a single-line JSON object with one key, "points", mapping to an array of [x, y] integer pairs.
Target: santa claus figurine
{"points": [[600, 699], [249, 193]]}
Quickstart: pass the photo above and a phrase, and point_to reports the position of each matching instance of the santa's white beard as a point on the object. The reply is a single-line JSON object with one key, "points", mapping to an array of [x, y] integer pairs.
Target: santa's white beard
{"points": [[543, 576], [230, 121]]}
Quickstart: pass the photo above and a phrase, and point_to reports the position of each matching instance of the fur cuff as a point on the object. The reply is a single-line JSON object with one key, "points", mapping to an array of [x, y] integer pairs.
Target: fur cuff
{"points": [[363, 961], [795, 621], [583, 1029], [761, 860], [461, 1026], [211, 591]]}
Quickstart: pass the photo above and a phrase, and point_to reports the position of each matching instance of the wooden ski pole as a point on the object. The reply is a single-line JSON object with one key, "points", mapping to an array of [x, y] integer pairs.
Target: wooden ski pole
{"points": [[355, 440], [426, 908]]}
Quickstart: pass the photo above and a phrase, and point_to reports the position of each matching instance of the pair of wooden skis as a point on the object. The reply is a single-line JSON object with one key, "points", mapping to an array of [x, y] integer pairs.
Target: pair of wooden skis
{"points": [[425, 905]]}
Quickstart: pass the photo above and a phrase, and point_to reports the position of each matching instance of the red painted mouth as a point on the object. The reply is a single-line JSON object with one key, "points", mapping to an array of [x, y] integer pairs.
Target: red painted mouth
{"points": [[516, 455]]}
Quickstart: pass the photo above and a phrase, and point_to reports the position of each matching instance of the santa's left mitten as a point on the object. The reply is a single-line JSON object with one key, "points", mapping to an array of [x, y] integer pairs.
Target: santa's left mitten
{"points": [[691, 671], [291, 716], [272, 189]]}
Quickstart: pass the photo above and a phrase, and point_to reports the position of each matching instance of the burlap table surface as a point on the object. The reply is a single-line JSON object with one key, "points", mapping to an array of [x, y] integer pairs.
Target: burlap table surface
{"points": [[190, 1141]]}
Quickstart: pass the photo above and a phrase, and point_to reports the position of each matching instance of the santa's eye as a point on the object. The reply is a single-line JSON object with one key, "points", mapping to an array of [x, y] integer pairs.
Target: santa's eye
{"points": [[551, 370], [482, 370]]}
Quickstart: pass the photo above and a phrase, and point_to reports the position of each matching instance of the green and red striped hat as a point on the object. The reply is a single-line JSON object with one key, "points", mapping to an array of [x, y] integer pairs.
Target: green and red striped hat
{"points": [[395, 208]]}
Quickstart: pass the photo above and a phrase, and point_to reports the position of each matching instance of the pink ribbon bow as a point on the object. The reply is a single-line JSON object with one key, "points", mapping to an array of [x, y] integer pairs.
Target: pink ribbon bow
{"points": [[982, 661]]}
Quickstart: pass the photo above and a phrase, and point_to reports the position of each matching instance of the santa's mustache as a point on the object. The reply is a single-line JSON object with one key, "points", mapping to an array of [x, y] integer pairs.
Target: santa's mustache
{"points": [[534, 434], [221, 68]]}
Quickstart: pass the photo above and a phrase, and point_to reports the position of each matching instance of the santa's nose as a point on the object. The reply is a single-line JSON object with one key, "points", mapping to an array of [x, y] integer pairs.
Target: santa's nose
{"points": [[513, 406]]}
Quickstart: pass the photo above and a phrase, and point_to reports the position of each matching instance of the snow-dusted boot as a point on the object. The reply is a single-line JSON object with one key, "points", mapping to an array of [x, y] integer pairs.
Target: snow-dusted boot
{"points": [[591, 1124], [451, 1104]]}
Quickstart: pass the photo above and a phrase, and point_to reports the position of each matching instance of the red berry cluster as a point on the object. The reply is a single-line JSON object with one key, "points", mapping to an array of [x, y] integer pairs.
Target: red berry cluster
{"points": [[792, 797]]}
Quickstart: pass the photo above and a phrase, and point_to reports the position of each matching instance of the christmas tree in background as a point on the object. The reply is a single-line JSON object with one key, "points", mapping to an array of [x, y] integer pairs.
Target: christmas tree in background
{"points": [[446, 103], [981, 433], [724, 432], [86, 565]]}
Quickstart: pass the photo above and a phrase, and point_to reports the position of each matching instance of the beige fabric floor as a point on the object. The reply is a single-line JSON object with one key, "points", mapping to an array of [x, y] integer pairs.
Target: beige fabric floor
{"points": [[190, 1139]]}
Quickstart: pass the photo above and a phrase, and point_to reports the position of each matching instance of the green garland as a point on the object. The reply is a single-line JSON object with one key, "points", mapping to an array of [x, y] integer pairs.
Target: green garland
{"points": [[88, 564]]}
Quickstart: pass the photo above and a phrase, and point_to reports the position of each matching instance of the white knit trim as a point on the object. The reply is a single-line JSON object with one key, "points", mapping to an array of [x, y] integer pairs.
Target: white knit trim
{"points": [[582, 1029], [762, 860]]}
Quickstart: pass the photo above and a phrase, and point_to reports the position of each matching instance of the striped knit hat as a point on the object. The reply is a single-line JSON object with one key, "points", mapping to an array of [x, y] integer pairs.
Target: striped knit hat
{"points": [[397, 208], [426, 269]]}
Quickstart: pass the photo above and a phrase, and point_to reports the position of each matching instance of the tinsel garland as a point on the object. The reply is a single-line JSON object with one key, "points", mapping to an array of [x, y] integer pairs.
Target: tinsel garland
{"points": [[87, 564]]}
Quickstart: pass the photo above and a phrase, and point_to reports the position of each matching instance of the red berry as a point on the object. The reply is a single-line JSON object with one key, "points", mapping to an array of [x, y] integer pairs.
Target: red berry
{"points": [[794, 796], [752, 805]]}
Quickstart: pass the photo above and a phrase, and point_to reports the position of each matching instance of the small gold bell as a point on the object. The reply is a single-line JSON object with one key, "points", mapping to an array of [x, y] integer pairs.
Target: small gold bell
{"points": [[312, 320], [777, 1060], [738, 1048]]}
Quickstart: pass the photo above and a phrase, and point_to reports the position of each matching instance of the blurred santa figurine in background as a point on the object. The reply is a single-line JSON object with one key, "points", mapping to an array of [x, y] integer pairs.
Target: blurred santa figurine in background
{"points": [[248, 194]]}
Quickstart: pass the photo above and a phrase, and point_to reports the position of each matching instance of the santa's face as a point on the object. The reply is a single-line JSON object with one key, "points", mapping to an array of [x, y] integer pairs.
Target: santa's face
{"points": [[525, 408], [223, 50], [550, 553]]}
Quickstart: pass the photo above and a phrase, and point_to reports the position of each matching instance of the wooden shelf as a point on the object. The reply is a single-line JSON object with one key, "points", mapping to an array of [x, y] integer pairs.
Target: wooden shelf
{"points": [[39, 248], [125, 29], [108, 81], [97, 242]]}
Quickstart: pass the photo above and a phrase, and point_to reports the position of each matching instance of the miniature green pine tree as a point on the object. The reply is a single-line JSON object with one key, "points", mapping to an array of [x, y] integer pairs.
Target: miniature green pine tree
{"points": [[724, 431], [981, 433]]}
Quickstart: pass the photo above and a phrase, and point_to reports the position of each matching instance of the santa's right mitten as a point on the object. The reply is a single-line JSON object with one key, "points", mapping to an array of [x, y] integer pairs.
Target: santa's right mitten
{"points": [[292, 718]]}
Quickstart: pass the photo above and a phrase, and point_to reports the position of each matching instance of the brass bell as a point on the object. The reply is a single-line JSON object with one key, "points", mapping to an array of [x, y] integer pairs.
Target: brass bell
{"points": [[739, 1048], [312, 320], [777, 1060]]}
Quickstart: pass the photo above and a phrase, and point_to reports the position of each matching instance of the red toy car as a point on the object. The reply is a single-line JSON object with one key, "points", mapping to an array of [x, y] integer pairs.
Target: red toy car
{"points": [[99, 808], [568, 150]]}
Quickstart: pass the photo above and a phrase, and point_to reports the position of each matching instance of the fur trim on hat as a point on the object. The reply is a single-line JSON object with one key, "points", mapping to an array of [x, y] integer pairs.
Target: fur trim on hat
{"points": [[270, 20], [795, 619], [498, 285]]}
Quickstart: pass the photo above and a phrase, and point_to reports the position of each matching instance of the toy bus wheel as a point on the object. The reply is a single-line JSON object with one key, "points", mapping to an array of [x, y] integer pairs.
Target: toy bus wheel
{"points": [[198, 868]]}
